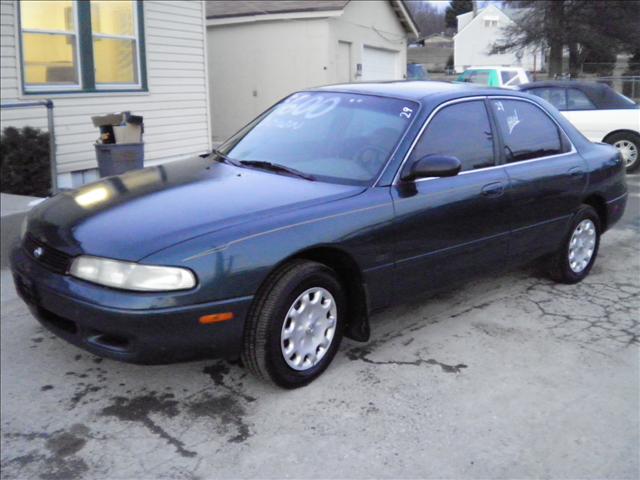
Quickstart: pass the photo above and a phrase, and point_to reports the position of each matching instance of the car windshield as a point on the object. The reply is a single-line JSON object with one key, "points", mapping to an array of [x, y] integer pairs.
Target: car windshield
{"points": [[334, 137]]}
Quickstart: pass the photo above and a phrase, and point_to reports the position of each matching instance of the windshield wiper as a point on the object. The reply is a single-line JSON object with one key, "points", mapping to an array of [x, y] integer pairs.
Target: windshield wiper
{"points": [[223, 157], [276, 167]]}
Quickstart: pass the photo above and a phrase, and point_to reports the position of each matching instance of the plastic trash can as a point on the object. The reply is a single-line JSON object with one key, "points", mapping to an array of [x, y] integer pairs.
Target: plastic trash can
{"points": [[114, 158]]}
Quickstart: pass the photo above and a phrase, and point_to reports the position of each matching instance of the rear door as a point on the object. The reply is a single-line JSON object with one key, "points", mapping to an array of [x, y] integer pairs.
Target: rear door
{"points": [[547, 176], [449, 228]]}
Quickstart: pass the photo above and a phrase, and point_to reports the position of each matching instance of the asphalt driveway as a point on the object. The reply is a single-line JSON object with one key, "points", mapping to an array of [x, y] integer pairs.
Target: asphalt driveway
{"points": [[506, 377]]}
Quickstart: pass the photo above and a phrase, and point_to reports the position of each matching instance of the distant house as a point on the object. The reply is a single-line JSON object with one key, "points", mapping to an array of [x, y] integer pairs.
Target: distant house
{"points": [[432, 51], [261, 51], [476, 35], [93, 57]]}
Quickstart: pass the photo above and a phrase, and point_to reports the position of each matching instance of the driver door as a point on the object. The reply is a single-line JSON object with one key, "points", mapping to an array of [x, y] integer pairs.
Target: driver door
{"points": [[451, 228]]}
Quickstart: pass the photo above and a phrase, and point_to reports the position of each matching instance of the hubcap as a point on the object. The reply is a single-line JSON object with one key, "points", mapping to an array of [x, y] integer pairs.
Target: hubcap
{"points": [[582, 245], [308, 328], [629, 151]]}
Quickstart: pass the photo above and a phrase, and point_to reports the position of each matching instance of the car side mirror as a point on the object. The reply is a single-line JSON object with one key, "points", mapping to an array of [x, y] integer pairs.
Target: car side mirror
{"points": [[433, 166]]}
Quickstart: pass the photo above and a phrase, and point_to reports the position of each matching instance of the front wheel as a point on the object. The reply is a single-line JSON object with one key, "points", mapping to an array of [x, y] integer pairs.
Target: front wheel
{"points": [[295, 325], [578, 252], [628, 144]]}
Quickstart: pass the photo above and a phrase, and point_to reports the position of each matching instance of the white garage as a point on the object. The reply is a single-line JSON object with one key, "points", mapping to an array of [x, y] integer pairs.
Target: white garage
{"points": [[380, 64], [260, 52]]}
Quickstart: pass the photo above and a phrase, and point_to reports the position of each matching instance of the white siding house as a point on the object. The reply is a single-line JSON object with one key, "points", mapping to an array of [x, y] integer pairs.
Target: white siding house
{"points": [[92, 58], [476, 35], [259, 52]]}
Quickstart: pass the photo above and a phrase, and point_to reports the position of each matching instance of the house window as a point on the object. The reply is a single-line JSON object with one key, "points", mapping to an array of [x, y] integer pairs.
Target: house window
{"points": [[491, 23], [82, 46], [50, 44]]}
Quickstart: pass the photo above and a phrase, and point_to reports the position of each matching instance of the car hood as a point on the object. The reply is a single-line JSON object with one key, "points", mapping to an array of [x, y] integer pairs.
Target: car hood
{"points": [[133, 215]]}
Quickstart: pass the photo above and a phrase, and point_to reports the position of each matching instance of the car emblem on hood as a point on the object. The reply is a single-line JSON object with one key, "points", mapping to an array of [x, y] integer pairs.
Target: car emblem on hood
{"points": [[38, 252]]}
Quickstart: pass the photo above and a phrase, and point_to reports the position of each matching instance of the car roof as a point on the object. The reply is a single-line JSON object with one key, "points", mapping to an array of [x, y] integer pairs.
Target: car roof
{"points": [[422, 90], [602, 95]]}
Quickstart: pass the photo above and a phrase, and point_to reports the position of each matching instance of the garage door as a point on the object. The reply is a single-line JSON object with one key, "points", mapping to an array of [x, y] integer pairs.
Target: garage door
{"points": [[379, 64]]}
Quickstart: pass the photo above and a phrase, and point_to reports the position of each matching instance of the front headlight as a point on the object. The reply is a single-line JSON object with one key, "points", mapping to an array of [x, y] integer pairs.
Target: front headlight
{"points": [[131, 276]]}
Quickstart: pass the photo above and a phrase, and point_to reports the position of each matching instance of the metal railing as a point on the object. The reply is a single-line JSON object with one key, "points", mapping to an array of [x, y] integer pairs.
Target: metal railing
{"points": [[52, 140]]}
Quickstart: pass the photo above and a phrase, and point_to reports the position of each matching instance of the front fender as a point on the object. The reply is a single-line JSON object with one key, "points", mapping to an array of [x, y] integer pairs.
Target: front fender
{"points": [[236, 262]]}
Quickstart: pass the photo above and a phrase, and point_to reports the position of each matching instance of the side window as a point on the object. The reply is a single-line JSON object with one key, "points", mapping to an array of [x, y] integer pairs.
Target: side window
{"points": [[507, 76], [527, 131], [555, 96], [577, 100], [461, 130]]}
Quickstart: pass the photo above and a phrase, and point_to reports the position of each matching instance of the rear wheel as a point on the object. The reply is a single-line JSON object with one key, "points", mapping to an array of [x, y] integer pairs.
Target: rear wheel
{"points": [[295, 325], [578, 252], [628, 143]]}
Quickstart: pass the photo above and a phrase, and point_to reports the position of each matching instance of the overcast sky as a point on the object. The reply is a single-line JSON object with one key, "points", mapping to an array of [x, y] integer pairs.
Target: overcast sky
{"points": [[442, 4]]}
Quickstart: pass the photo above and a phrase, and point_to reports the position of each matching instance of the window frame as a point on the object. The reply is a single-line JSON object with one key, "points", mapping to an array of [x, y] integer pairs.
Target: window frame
{"points": [[500, 158], [85, 57], [27, 88]]}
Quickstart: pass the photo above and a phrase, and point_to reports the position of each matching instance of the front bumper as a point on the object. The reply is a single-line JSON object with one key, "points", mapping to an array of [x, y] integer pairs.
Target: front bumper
{"points": [[148, 336]]}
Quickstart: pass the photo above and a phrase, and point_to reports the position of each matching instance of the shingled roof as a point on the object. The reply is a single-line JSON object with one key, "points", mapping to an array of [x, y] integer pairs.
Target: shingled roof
{"points": [[220, 9], [238, 8]]}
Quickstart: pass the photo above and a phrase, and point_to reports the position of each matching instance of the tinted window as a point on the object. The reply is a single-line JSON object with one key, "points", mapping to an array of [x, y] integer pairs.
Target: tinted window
{"points": [[555, 96], [461, 131], [337, 137], [577, 100], [527, 131]]}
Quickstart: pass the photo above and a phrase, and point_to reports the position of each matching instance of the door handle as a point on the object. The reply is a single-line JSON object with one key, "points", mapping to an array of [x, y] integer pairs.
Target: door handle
{"points": [[494, 189], [576, 172]]}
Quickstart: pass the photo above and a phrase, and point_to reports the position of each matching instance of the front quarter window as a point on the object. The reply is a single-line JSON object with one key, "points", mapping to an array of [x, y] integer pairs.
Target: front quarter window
{"points": [[336, 137]]}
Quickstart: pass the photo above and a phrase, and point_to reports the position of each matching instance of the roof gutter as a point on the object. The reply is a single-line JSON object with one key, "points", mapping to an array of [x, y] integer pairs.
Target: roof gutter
{"points": [[271, 17], [413, 28]]}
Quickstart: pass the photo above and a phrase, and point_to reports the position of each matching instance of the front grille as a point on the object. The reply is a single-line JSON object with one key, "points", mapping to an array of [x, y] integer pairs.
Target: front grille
{"points": [[50, 258]]}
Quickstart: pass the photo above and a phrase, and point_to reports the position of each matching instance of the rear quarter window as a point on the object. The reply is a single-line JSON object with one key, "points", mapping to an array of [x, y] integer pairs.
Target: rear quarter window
{"points": [[555, 96], [577, 100]]}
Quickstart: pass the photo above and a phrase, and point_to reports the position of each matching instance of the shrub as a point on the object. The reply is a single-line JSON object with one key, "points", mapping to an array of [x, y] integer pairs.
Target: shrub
{"points": [[24, 161]]}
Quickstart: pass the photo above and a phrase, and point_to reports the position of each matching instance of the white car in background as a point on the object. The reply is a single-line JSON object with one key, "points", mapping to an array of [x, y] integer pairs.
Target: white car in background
{"points": [[598, 111], [504, 77]]}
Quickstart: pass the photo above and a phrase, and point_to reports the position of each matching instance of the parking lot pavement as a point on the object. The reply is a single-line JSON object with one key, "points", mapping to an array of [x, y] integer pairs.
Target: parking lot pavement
{"points": [[506, 377]]}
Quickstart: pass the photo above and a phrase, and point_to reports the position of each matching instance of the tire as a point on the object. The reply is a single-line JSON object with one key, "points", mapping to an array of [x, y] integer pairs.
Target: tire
{"points": [[628, 142], [264, 336], [561, 268]]}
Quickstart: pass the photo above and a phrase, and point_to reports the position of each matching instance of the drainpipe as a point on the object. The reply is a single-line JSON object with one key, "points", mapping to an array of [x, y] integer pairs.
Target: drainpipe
{"points": [[475, 8], [52, 148]]}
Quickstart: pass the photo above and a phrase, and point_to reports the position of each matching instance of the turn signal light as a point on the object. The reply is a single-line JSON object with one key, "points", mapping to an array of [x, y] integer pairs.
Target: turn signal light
{"points": [[216, 318]]}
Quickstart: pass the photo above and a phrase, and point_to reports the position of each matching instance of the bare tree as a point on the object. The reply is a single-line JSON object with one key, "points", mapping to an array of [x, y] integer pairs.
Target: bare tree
{"points": [[427, 17], [597, 27]]}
